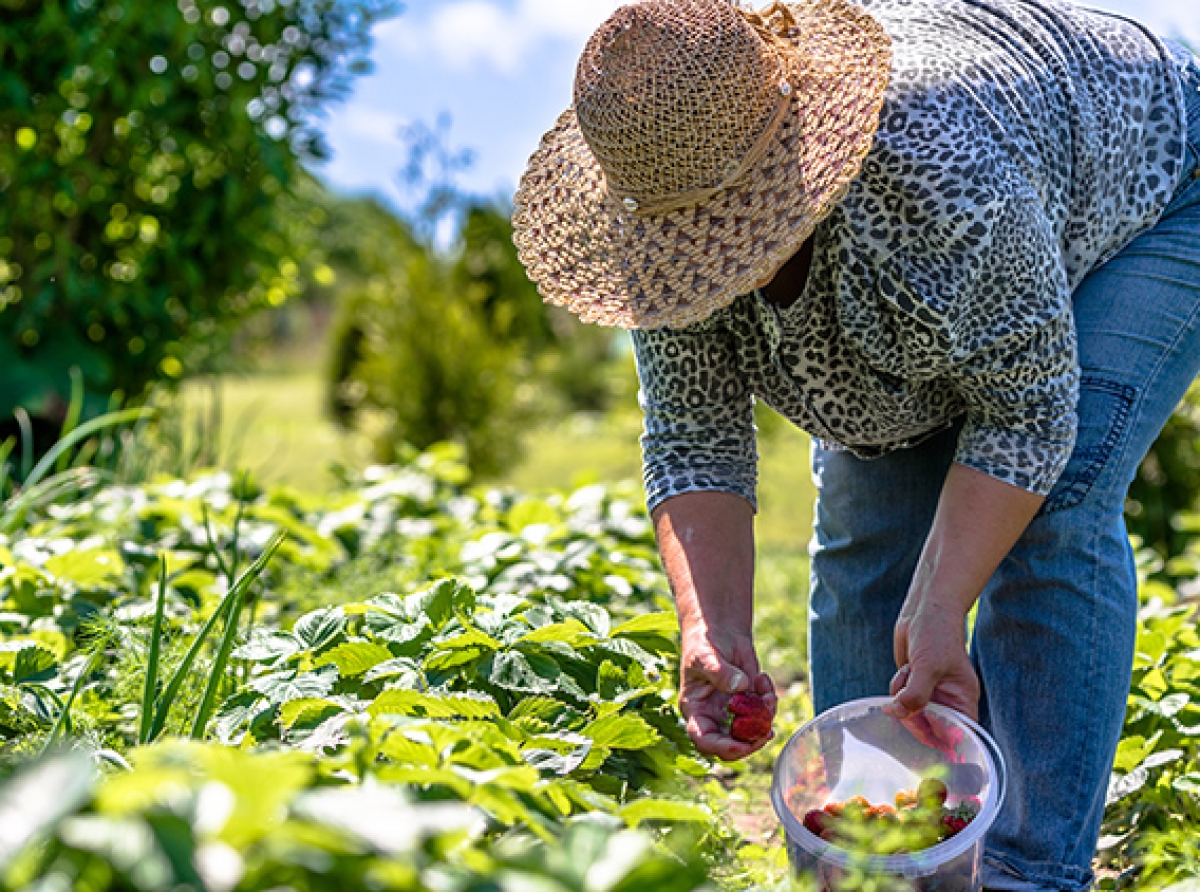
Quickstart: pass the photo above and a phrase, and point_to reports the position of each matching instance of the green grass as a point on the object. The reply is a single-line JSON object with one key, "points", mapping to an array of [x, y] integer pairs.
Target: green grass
{"points": [[274, 427]]}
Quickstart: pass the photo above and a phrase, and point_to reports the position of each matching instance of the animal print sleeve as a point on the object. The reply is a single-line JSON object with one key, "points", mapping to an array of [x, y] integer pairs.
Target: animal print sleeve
{"points": [[699, 423], [1006, 343]]}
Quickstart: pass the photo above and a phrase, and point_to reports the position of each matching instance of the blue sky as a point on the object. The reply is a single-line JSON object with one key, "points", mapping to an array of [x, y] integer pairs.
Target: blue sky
{"points": [[502, 71]]}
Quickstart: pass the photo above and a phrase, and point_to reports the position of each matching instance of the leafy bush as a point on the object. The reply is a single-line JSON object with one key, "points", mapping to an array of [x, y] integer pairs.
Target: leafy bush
{"points": [[459, 349], [1168, 482], [145, 150], [508, 723]]}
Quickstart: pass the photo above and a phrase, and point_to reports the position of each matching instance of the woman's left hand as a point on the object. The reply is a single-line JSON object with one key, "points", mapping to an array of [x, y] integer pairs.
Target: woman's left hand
{"points": [[931, 651]]}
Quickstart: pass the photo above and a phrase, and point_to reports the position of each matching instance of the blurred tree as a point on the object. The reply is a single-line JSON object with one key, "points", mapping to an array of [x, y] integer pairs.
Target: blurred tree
{"points": [[1168, 482], [147, 149], [452, 346]]}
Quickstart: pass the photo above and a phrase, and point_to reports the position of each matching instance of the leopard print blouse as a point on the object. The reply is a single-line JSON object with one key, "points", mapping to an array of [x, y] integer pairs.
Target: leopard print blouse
{"points": [[1021, 144]]}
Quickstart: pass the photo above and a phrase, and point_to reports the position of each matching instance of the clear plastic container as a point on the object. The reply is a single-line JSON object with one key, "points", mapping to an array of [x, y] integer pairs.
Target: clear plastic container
{"points": [[860, 749]]}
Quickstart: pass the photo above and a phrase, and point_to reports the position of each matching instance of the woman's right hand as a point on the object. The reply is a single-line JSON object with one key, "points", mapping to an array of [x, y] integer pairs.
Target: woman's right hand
{"points": [[712, 669]]}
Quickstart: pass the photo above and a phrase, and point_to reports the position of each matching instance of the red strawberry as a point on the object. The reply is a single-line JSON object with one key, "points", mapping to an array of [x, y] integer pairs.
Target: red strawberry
{"points": [[954, 824], [751, 717], [817, 821]]}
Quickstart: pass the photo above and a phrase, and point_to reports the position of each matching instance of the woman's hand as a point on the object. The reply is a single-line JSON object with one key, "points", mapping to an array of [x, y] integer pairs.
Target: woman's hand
{"points": [[931, 651], [712, 669], [977, 522], [706, 540]]}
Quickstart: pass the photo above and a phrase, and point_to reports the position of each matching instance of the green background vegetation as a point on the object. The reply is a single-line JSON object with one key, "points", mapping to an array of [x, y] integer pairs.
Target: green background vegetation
{"points": [[236, 651]]}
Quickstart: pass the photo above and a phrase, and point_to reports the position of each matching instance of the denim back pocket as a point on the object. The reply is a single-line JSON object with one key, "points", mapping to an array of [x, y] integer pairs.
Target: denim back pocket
{"points": [[1104, 410]]}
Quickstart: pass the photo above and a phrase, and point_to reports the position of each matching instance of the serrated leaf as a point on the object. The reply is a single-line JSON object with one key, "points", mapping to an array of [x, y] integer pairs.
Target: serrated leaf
{"points": [[663, 810], [404, 671], [236, 712], [268, 646], [1130, 752], [319, 628], [307, 709], [470, 637], [660, 622], [627, 647], [511, 669], [86, 568], [1120, 786], [34, 664], [439, 602], [1168, 706], [353, 658], [591, 615], [450, 659], [570, 632], [610, 680], [621, 732], [281, 687], [555, 762], [398, 701], [547, 709], [595, 758]]}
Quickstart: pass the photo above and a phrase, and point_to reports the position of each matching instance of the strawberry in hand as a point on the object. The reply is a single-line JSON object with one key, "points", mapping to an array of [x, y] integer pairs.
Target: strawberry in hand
{"points": [[750, 717]]}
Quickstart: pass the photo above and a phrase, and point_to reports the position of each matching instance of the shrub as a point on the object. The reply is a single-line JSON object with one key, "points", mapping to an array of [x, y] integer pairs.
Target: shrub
{"points": [[145, 150], [458, 348]]}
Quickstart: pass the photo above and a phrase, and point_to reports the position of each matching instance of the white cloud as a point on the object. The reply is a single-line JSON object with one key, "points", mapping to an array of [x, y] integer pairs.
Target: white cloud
{"points": [[465, 34], [371, 124]]}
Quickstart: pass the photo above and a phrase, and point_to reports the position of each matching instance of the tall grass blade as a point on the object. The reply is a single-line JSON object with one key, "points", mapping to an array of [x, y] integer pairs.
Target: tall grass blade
{"points": [[6, 449], [69, 483], [64, 715], [74, 413], [26, 441], [235, 593], [80, 433], [217, 675], [213, 547], [151, 688]]}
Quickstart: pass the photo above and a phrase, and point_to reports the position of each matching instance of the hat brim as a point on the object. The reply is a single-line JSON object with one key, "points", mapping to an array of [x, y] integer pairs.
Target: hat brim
{"points": [[586, 252]]}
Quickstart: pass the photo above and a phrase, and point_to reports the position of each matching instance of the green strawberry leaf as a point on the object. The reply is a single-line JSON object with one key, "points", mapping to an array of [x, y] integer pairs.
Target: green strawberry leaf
{"points": [[640, 810], [353, 658], [398, 701], [626, 732], [320, 627]]}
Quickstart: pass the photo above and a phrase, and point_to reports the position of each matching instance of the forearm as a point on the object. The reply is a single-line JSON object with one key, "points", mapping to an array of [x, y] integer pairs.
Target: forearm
{"points": [[706, 540], [978, 521]]}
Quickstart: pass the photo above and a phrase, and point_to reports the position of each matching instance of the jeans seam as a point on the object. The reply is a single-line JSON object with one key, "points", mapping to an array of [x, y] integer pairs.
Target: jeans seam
{"points": [[1082, 482], [1093, 675]]}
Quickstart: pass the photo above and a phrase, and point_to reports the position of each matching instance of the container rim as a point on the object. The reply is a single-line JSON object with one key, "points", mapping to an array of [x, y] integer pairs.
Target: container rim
{"points": [[913, 864]]}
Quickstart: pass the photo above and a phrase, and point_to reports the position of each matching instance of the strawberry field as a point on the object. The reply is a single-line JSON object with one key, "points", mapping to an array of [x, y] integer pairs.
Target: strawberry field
{"points": [[415, 683]]}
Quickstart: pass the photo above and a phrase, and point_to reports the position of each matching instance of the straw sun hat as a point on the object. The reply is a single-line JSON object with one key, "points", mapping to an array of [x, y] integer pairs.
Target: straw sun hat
{"points": [[704, 144]]}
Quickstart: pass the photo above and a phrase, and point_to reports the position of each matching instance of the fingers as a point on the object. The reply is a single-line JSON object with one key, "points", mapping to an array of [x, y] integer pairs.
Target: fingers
{"points": [[900, 643], [712, 739], [912, 691], [718, 674]]}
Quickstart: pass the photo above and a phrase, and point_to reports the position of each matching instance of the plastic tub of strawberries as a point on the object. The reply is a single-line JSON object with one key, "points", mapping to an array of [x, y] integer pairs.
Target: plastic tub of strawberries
{"points": [[869, 801]]}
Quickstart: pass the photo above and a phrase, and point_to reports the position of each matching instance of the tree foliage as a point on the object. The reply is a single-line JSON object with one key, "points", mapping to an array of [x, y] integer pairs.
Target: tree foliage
{"points": [[146, 148], [451, 347]]}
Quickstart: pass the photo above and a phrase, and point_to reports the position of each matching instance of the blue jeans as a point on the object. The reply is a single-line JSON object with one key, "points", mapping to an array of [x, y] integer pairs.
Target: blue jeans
{"points": [[1054, 635]]}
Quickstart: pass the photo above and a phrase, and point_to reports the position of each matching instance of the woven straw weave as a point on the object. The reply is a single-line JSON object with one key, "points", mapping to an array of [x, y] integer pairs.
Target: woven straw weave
{"points": [[704, 145]]}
